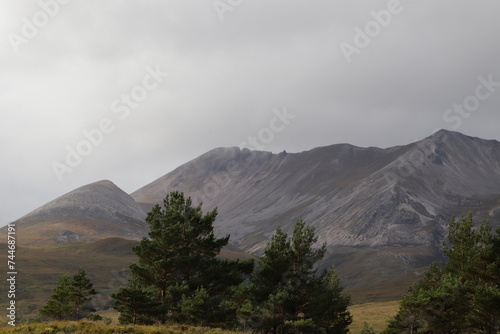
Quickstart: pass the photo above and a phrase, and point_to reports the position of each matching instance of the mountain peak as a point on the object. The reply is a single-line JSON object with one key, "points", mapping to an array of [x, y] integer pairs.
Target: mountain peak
{"points": [[107, 183], [90, 212], [452, 143], [443, 136]]}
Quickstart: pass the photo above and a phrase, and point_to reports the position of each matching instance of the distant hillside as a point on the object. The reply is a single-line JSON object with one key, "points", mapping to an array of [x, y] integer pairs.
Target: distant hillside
{"points": [[92, 212], [106, 262]]}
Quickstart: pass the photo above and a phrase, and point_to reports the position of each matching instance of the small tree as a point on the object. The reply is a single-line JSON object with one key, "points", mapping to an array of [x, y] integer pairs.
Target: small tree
{"points": [[83, 289], [287, 293], [136, 304], [329, 307], [196, 307], [70, 298], [60, 305], [463, 295]]}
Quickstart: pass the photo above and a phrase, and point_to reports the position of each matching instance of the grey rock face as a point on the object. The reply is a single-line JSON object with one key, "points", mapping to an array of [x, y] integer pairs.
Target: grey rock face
{"points": [[353, 196]]}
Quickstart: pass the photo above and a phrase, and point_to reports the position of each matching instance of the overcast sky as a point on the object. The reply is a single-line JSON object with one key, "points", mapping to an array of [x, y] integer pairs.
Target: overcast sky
{"points": [[136, 88]]}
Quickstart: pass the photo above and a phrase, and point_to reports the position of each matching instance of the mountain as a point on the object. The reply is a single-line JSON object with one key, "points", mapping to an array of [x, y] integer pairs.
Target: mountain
{"points": [[364, 197], [92, 212], [383, 213]]}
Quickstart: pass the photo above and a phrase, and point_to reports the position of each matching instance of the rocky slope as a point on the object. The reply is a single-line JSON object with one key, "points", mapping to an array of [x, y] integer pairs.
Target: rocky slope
{"points": [[92, 212], [353, 196], [383, 213]]}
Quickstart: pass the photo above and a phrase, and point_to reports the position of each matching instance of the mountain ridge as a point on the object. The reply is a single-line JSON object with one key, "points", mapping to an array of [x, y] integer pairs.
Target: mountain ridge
{"points": [[343, 190], [383, 212], [375, 181]]}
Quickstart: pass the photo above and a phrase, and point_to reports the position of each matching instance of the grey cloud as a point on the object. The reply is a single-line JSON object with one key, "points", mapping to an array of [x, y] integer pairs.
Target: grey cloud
{"points": [[226, 77]]}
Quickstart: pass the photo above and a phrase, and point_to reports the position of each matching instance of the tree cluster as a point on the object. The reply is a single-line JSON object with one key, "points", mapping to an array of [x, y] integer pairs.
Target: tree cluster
{"points": [[71, 297], [179, 279], [461, 296], [287, 295]]}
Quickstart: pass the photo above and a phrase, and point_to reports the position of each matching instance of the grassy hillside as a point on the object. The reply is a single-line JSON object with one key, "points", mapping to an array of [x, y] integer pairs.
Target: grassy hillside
{"points": [[375, 315], [378, 274], [105, 261]]}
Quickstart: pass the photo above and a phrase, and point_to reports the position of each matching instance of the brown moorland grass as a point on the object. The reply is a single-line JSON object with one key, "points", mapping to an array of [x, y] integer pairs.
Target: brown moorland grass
{"points": [[375, 315], [87, 327]]}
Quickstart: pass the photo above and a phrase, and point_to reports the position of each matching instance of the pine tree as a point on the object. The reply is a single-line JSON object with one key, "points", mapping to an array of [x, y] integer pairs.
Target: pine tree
{"points": [[60, 305], [70, 298], [136, 304], [239, 306], [273, 266], [288, 295], [463, 295], [178, 262], [194, 309], [329, 307], [83, 289]]}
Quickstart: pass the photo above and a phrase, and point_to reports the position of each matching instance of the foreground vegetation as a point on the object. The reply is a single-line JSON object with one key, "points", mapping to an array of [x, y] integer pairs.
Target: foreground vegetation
{"points": [[463, 294], [179, 279], [372, 315], [87, 327]]}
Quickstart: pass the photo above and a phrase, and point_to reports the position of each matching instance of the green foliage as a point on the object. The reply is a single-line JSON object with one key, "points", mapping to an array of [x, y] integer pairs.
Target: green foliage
{"points": [[329, 306], [136, 304], [464, 295], [239, 305], [178, 277], [301, 326], [195, 307], [70, 298], [287, 294], [83, 289], [59, 306]]}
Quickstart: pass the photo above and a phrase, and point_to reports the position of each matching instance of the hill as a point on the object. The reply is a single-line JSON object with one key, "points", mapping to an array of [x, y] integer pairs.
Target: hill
{"points": [[106, 261], [92, 212]]}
